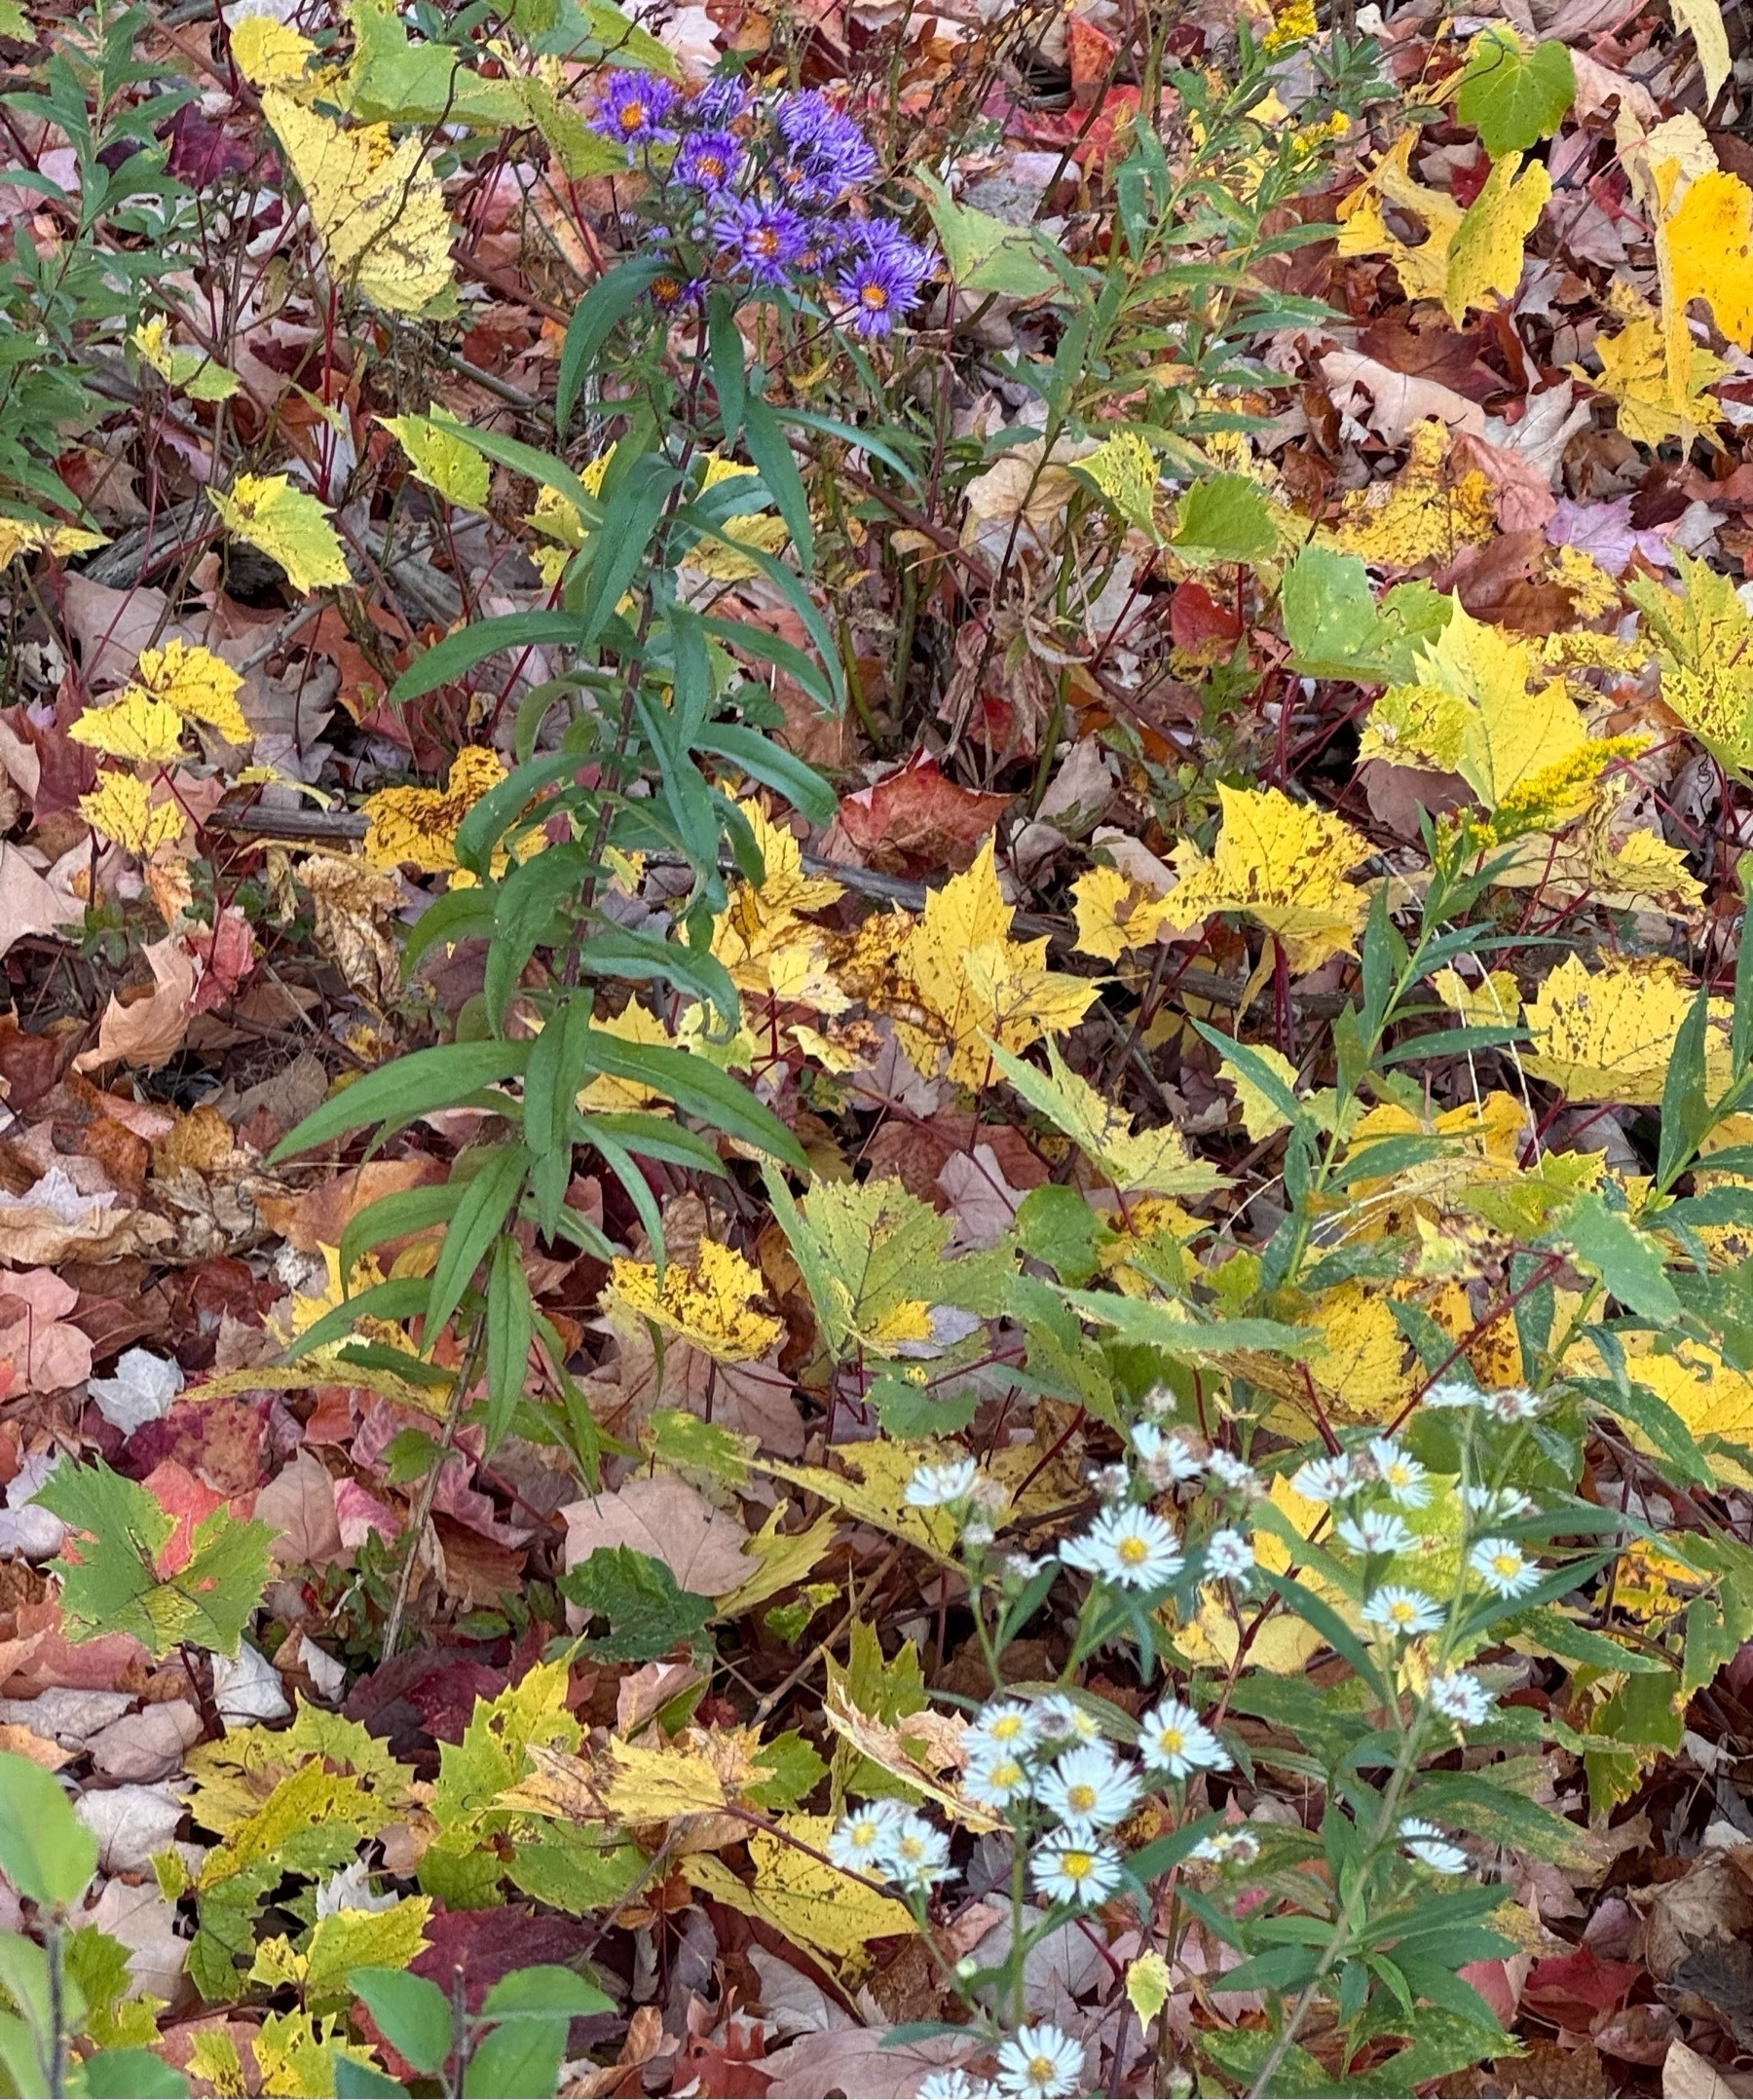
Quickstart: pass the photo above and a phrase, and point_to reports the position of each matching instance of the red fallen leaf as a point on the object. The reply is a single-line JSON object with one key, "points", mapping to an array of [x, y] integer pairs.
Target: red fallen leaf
{"points": [[1195, 619], [190, 1502], [1466, 181], [918, 815], [1090, 52], [730, 2066], [223, 955], [1576, 1989]]}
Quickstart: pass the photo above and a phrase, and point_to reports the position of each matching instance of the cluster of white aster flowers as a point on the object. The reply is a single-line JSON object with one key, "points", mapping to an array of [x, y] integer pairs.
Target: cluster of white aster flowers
{"points": [[887, 1841], [957, 1484], [1036, 2063]]}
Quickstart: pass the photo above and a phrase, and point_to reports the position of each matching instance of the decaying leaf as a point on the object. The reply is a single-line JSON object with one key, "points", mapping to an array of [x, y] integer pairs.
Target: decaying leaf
{"points": [[1284, 864]]}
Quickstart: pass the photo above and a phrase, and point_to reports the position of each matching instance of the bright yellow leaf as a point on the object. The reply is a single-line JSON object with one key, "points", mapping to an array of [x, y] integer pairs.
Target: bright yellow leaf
{"points": [[1707, 652], [1423, 270], [1609, 1034], [804, 1900], [606, 1095], [268, 54], [1634, 376], [442, 460], [200, 685], [1114, 913], [138, 728], [1282, 863], [973, 981], [757, 529], [417, 827], [286, 524], [1494, 1002], [23, 536], [709, 1302], [121, 809], [1425, 513], [1485, 257], [193, 370], [1710, 251], [654, 1786], [377, 207]]}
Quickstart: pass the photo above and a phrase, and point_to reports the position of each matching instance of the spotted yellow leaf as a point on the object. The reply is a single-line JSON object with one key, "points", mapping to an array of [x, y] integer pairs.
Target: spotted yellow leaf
{"points": [[198, 376], [417, 827], [1114, 913], [1494, 1002], [1609, 1034], [800, 1895], [1485, 257], [268, 54], [24, 536], [1422, 268], [442, 460], [1125, 470], [974, 982], [1634, 376], [121, 809], [761, 530], [1282, 863], [1707, 652], [708, 1303], [1427, 512], [377, 207], [286, 524]]}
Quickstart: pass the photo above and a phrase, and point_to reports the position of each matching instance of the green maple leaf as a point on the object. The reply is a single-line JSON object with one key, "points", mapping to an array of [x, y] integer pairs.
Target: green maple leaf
{"points": [[113, 1585], [647, 1614]]}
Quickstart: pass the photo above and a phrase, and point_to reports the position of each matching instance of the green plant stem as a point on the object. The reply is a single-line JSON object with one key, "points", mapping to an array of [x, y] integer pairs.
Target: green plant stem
{"points": [[420, 1512]]}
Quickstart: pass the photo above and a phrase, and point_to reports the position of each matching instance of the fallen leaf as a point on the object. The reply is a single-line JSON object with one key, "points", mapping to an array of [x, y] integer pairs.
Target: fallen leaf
{"points": [[662, 1517]]}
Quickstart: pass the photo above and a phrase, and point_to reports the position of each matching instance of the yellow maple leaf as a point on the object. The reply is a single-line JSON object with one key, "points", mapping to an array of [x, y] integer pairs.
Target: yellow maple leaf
{"points": [[757, 529], [800, 1895], [1423, 270], [1485, 256], [1282, 863], [653, 1786], [708, 1303], [377, 207], [200, 685], [974, 982], [417, 827], [1126, 471], [268, 54], [1609, 1034], [24, 536], [1114, 913], [144, 731], [1359, 1363], [121, 809], [286, 524], [442, 460], [634, 1024], [1494, 1002], [1422, 515], [1634, 377], [1710, 251], [1286, 1644], [1706, 654]]}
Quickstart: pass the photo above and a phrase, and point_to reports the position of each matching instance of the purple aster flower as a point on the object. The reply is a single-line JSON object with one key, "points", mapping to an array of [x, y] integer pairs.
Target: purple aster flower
{"points": [[707, 161], [672, 292], [883, 277], [828, 152], [720, 102], [632, 109], [768, 239]]}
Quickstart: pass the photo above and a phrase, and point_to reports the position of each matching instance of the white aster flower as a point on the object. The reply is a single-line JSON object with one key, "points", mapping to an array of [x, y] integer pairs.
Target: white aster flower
{"points": [[1173, 1738], [1503, 1567], [1402, 1611], [931, 1486], [1040, 2063], [1074, 1866], [858, 1839], [1022, 1569], [978, 1533], [1460, 1696], [1229, 1470], [1169, 1460], [1131, 1547], [914, 1851], [1228, 1556], [1514, 1403], [1498, 1502], [1325, 1480], [1003, 1724], [954, 2084], [1089, 1787], [1399, 1473], [1427, 1842], [1062, 1719], [998, 1780], [1376, 1531], [1113, 1484], [1237, 1847], [1453, 1393]]}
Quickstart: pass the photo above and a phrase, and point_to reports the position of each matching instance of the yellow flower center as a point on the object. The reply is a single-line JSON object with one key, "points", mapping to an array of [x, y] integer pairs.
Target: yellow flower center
{"points": [[1077, 1864], [632, 116], [1401, 1612], [875, 296], [1080, 1799], [1170, 1742], [766, 242], [1042, 2070], [1133, 1549], [1506, 1564]]}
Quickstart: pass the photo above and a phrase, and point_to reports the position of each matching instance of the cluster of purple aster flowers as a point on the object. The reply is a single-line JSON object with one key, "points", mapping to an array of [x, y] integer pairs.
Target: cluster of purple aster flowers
{"points": [[757, 189]]}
